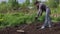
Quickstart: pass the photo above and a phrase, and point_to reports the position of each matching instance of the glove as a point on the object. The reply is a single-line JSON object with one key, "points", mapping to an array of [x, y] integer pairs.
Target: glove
{"points": [[36, 18]]}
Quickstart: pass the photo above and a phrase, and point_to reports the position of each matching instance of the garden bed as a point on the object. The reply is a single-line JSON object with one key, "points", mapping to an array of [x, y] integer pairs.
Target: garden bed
{"points": [[31, 29]]}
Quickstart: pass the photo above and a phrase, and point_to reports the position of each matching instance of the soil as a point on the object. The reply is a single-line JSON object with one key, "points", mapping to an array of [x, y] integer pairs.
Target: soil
{"points": [[33, 28]]}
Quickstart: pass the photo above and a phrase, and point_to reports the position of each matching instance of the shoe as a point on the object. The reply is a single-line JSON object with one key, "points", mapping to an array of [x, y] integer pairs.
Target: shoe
{"points": [[42, 27], [49, 26]]}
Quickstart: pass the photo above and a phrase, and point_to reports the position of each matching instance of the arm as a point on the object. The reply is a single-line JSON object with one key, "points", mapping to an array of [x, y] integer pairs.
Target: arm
{"points": [[39, 13]]}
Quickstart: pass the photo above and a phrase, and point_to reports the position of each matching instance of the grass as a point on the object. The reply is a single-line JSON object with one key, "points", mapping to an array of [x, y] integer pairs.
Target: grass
{"points": [[19, 18], [15, 19]]}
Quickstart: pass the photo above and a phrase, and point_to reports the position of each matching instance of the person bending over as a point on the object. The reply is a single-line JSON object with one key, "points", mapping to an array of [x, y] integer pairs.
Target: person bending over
{"points": [[41, 7]]}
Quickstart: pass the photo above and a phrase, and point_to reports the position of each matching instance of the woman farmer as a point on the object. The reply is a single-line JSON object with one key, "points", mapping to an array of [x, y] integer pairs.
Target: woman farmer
{"points": [[43, 8]]}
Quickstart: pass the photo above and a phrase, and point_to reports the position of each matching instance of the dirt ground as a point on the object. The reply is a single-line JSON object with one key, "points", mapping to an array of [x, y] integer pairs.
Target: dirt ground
{"points": [[32, 29]]}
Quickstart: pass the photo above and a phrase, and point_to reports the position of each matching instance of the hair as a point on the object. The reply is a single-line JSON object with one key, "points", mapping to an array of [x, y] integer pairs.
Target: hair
{"points": [[36, 2]]}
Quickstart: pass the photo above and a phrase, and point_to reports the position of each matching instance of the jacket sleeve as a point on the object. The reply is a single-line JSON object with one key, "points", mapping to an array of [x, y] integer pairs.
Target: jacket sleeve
{"points": [[39, 13]]}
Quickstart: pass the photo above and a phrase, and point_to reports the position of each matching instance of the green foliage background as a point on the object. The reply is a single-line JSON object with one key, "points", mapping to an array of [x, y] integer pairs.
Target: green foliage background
{"points": [[13, 13]]}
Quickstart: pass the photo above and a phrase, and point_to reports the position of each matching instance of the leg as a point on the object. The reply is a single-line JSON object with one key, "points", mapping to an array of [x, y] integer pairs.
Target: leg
{"points": [[48, 15], [45, 23], [38, 14], [49, 22], [47, 19]]}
